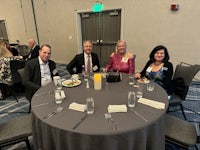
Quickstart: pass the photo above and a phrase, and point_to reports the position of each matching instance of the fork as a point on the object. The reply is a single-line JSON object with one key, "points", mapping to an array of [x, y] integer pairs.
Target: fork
{"points": [[111, 121], [113, 124], [43, 93], [58, 110]]}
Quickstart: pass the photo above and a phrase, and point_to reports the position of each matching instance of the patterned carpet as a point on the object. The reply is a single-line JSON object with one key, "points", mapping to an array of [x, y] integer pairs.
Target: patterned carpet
{"points": [[10, 108], [192, 110]]}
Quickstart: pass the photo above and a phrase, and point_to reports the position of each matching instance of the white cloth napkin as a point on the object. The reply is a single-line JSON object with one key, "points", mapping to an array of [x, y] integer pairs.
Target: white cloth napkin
{"points": [[77, 107], [117, 108], [152, 103]]}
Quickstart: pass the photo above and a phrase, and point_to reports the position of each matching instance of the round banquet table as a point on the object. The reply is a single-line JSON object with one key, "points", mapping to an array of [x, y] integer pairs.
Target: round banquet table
{"points": [[143, 130]]}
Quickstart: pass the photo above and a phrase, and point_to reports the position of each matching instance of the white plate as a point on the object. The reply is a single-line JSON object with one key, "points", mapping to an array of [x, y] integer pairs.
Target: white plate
{"points": [[69, 83]]}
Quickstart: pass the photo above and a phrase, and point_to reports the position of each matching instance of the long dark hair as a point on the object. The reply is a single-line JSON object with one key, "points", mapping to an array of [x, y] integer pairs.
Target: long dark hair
{"points": [[157, 48]]}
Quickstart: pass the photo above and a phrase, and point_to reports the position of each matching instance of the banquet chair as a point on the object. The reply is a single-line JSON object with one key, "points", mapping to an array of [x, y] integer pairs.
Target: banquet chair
{"points": [[16, 130], [15, 65], [16, 85], [180, 132], [21, 72], [183, 76]]}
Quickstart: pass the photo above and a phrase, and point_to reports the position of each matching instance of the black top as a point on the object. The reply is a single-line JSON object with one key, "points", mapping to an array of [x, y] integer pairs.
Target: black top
{"points": [[168, 73]]}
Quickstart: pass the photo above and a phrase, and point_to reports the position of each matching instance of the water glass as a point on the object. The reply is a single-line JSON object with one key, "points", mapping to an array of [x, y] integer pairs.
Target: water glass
{"points": [[139, 91], [90, 105], [104, 73], [150, 86], [131, 80], [58, 96], [86, 77], [55, 78], [131, 99], [139, 94], [136, 83], [59, 84]]}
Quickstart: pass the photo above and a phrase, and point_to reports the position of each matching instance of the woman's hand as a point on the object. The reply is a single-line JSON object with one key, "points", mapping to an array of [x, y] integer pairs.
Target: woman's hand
{"points": [[137, 75]]}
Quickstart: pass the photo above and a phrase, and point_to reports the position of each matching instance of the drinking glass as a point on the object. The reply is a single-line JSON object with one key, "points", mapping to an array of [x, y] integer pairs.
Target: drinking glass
{"points": [[55, 78], [150, 86], [59, 84], [131, 99], [58, 96], [139, 91], [90, 105], [131, 80], [136, 83], [104, 72]]}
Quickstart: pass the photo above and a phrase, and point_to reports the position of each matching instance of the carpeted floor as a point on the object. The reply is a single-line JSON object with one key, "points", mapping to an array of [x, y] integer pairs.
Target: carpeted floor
{"points": [[192, 110], [10, 108]]}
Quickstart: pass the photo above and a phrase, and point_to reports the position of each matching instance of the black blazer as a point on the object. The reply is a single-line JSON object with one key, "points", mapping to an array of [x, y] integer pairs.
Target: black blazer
{"points": [[34, 53], [78, 61], [32, 76]]}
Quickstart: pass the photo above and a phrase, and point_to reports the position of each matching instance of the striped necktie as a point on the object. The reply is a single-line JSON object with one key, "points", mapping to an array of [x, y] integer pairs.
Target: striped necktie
{"points": [[88, 64]]}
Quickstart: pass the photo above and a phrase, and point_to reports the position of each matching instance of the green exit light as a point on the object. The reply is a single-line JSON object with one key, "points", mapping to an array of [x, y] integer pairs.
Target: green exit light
{"points": [[97, 7]]}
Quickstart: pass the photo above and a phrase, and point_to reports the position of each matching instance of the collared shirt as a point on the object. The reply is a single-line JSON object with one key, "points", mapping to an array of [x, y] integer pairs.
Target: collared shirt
{"points": [[45, 72], [86, 60]]}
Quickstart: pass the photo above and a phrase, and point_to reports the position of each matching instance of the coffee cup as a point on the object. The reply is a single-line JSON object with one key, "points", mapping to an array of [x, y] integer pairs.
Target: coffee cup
{"points": [[55, 79], [75, 76]]}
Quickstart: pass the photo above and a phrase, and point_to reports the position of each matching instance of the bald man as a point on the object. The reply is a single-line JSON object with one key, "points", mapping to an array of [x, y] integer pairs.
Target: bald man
{"points": [[34, 52]]}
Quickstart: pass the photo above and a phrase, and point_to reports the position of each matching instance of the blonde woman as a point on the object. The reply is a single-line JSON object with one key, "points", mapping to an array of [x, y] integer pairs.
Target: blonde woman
{"points": [[121, 60]]}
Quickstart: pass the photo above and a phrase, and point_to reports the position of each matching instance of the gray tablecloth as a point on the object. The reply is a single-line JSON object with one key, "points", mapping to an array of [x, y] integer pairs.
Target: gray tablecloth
{"points": [[94, 133]]}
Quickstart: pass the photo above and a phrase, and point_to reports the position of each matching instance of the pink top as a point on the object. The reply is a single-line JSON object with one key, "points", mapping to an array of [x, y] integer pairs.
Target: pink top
{"points": [[121, 64]]}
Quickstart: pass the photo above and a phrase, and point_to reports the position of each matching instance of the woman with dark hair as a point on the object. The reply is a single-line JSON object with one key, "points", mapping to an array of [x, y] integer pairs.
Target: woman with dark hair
{"points": [[159, 69]]}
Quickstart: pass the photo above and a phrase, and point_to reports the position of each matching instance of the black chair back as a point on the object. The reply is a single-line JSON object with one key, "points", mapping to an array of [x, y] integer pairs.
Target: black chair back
{"points": [[15, 65], [183, 77]]}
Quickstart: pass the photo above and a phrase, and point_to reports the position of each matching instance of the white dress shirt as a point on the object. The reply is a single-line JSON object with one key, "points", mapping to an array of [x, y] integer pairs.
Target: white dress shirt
{"points": [[45, 72]]}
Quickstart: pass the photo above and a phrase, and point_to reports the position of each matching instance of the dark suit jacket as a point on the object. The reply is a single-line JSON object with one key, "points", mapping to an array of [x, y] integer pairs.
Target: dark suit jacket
{"points": [[34, 53], [78, 61], [32, 76]]}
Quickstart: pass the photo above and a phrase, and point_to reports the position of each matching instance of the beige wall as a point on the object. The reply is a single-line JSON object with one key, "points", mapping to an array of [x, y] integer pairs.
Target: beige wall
{"points": [[145, 24]]}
